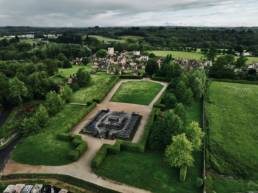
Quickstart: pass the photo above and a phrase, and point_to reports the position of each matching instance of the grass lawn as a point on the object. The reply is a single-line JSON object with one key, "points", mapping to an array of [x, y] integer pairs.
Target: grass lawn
{"points": [[232, 115], [99, 86], [44, 148], [66, 72], [137, 92], [105, 39], [179, 54], [150, 171]]}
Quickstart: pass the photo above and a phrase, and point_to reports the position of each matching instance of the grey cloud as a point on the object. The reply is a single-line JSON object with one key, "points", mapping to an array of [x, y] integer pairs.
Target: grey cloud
{"points": [[126, 12]]}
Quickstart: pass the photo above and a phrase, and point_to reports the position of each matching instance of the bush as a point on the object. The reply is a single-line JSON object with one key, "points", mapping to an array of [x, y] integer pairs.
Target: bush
{"points": [[74, 155], [64, 137], [183, 173], [100, 156], [199, 182]]}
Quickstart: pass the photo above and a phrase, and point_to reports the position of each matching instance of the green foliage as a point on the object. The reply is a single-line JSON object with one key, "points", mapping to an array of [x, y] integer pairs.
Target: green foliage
{"points": [[101, 53], [66, 93], [195, 135], [179, 153], [83, 77], [54, 102], [41, 116], [17, 90], [30, 125], [180, 111], [199, 182], [169, 100], [151, 67]]}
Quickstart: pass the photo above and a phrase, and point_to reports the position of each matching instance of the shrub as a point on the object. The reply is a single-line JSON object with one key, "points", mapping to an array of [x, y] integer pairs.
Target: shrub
{"points": [[64, 137], [100, 156], [74, 155], [199, 182]]}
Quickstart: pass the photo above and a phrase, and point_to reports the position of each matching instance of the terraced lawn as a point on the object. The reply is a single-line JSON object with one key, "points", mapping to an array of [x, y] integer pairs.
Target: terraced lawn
{"points": [[232, 111], [137, 92]]}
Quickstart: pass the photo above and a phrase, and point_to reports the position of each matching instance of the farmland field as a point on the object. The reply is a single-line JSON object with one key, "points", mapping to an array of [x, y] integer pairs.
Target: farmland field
{"points": [[137, 92], [192, 55], [232, 116]]}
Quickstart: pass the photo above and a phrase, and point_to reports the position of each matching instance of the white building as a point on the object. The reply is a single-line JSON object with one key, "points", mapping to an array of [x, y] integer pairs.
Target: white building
{"points": [[111, 51]]}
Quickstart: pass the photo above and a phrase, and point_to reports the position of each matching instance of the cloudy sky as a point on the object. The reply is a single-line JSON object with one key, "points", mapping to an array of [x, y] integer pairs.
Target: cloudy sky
{"points": [[83, 13]]}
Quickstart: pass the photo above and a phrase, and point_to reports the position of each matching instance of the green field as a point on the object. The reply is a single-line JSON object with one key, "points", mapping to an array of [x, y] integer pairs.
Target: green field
{"points": [[232, 116], [179, 54], [137, 92], [44, 148], [99, 86], [150, 171], [192, 55], [105, 39]]}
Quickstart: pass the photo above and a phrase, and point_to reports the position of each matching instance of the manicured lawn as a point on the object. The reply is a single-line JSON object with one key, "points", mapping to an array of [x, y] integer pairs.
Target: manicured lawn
{"points": [[105, 39], [137, 92], [44, 148], [150, 171], [99, 86], [232, 115]]}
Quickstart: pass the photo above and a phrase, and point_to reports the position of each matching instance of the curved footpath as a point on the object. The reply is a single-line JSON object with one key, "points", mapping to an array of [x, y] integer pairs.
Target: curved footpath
{"points": [[82, 168]]}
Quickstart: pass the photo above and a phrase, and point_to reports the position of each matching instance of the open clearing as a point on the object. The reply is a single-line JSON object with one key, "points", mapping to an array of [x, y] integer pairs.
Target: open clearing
{"points": [[232, 116], [137, 92], [150, 171]]}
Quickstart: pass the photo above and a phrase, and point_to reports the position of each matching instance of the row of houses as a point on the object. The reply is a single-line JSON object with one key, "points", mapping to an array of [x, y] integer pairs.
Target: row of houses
{"points": [[37, 188]]}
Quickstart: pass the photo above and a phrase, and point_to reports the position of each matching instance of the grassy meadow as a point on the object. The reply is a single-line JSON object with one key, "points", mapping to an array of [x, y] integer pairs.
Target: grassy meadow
{"points": [[137, 92], [231, 111]]}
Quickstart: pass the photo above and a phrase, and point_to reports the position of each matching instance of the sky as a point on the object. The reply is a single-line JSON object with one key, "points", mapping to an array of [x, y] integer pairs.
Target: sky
{"points": [[86, 13]]}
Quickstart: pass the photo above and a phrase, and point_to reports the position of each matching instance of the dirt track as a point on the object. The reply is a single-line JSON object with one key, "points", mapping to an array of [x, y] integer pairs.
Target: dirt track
{"points": [[81, 169]]}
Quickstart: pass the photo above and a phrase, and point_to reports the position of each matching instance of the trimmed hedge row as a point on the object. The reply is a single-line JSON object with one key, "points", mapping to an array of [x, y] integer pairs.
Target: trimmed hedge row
{"points": [[159, 78], [124, 145], [78, 143], [130, 77], [63, 178]]}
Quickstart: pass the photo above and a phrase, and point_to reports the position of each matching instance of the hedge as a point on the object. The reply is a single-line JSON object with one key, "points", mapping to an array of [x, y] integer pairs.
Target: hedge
{"points": [[124, 145], [63, 178], [130, 77], [77, 141], [159, 78]]}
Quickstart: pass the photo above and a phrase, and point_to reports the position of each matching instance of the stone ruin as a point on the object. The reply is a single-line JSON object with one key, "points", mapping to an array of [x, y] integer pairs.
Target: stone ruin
{"points": [[112, 124]]}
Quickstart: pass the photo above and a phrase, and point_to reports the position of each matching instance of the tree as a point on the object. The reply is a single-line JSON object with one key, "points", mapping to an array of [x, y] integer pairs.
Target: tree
{"points": [[4, 88], [195, 135], [241, 62], [180, 111], [179, 154], [162, 129], [83, 77], [101, 53], [169, 100], [17, 90], [66, 93], [30, 125], [41, 116], [211, 54], [151, 67], [54, 103], [52, 66]]}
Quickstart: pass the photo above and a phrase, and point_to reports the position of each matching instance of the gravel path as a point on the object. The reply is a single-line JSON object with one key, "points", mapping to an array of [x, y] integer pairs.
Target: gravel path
{"points": [[81, 169]]}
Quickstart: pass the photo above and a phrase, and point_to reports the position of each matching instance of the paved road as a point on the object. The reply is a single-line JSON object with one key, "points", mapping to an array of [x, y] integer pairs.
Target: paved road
{"points": [[81, 169]]}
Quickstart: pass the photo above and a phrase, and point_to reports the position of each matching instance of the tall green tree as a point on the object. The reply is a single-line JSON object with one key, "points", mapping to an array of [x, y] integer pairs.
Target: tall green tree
{"points": [[17, 90], [83, 77], [54, 102], [179, 154], [195, 135], [41, 116]]}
